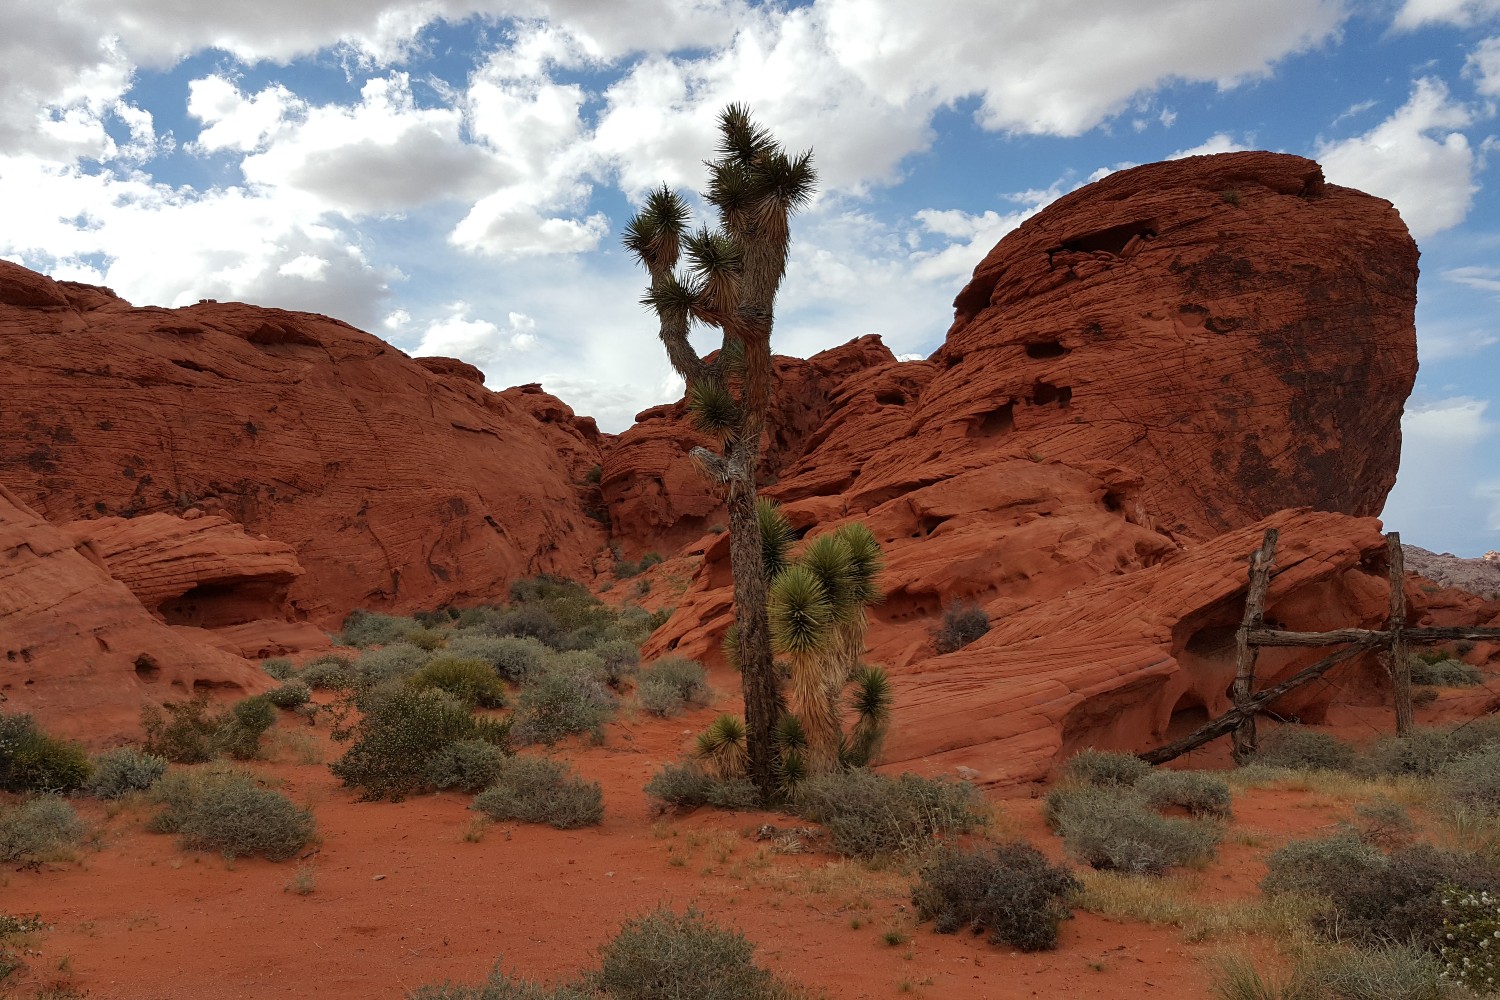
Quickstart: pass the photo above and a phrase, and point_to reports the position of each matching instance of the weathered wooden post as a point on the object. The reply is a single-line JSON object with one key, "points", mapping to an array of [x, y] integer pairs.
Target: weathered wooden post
{"points": [[1244, 652], [1400, 665]]}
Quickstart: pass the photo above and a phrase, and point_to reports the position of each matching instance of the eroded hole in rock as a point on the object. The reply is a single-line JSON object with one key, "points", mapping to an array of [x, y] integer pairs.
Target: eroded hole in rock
{"points": [[202, 684], [1112, 502], [929, 523], [1045, 349], [1213, 643], [1112, 240], [999, 421], [1045, 394], [191, 366], [216, 605], [147, 669], [1187, 715], [891, 397]]}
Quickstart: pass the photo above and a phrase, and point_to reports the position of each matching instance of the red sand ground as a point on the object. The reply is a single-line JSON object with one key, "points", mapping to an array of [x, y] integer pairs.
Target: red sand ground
{"points": [[402, 899]]}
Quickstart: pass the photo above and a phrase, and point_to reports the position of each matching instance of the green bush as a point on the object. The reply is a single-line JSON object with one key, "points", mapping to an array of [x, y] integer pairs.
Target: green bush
{"points": [[371, 628], [183, 732], [37, 828], [328, 672], [1011, 889], [124, 770], [472, 682], [1474, 781], [465, 766], [290, 695], [663, 955], [686, 786], [512, 658], [401, 732], [239, 730], [561, 703], [869, 815], [224, 810], [963, 622], [399, 659], [279, 667], [1314, 867], [529, 621], [620, 658], [538, 790], [669, 685], [1105, 768], [1198, 793], [1113, 830], [1383, 823], [1445, 673], [426, 637], [1469, 952], [1297, 748], [32, 761]]}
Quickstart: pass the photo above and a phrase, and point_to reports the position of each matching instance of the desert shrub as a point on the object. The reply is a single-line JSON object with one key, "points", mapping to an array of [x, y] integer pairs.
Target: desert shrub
{"points": [[472, 682], [662, 955], [401, 731], [1198, 793], [1383, 823], [869, 814], [35, 828], [426, 637], [1391, 972], [328, 672], [1445, 673], [238, 731], [670, 684], [501, 985], [687, 786], [538, 790], [1010, 889], [465, 766], [1474, 781], [224, 810], [290, 695], [1297, 748], [561, 703], [512, 658], [625, 569], [528, 621], [371, 628], [1469, 953], [1105, 768], [620, 657], [1113, 830], [963, 622], [399, 659], [32, 761], [1422, 753], [1313, 867], [124, 770], [279, 667]]}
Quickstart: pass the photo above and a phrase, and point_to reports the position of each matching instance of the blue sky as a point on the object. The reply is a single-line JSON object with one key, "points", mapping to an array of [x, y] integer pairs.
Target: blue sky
{"points": [[453, 174]]}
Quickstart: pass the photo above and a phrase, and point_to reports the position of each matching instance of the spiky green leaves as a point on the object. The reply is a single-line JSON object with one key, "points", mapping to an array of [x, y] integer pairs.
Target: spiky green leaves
{"points": [[799, 612], [865, 563], [776, 536], [827, 557], [714, 409], [715, 259], [675, 301], [655, 234], [722, 746], [871, 695]]}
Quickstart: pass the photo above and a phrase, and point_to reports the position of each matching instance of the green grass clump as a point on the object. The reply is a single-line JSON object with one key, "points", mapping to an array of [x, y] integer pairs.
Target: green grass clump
{"points": [[1445, 673], [538, 790], [465, 766], [38, 828], [1388, 972], [1473, 782], [224, 810], [279, 667], [330, 672], [687, 786], [124, 770], [1313, 867], [1298, 748], [869, 815], [512, 658], [32, 761]]}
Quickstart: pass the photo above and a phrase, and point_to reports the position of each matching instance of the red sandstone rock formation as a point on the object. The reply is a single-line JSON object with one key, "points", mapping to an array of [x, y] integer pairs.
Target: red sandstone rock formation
{"points": [[399, 484], [78, 650]]}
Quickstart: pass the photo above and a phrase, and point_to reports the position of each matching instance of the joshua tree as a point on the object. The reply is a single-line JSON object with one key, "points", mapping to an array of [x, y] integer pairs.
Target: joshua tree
{"points": [[732, 275]]}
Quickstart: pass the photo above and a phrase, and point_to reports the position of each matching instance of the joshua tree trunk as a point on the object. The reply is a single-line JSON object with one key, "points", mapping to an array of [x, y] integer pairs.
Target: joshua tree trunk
{"points": [[757, 669]]}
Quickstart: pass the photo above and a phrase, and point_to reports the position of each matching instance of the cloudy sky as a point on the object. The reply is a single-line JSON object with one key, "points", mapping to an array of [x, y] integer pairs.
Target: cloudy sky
{"points": [[453, 174]]}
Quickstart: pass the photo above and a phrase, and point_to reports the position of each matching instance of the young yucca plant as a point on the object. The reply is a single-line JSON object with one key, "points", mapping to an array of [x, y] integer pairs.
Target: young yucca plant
{"points": [[802, 626], [721, 747], [870, 698]]}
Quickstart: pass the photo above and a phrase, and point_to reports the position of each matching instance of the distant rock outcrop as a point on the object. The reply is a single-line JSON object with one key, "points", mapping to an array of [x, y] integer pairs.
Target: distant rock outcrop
{"points": [[1477, 576], [400, 484]]}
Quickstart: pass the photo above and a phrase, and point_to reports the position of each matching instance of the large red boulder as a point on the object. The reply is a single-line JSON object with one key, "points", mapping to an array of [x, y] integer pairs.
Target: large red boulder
{"points": [[399, 484]]}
